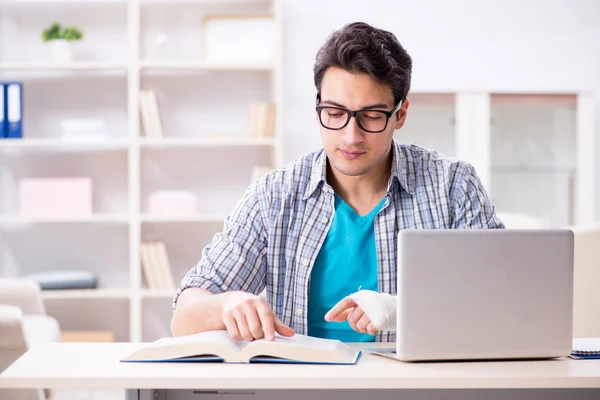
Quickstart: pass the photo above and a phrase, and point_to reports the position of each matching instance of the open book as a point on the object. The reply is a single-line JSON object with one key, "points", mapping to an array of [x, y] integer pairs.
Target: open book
{"points": [[218, 346]]}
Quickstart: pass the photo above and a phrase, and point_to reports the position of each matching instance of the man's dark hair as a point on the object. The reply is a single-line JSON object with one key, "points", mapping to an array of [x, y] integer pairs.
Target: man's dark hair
{"points": [[360, 48]]}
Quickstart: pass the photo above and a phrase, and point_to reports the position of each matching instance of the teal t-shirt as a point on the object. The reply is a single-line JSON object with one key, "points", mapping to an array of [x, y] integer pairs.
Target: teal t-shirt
{"points": [[346, 263]]}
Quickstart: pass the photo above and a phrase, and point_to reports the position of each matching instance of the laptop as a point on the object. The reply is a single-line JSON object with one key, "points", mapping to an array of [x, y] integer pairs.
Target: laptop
{"points": [[484, 294]]}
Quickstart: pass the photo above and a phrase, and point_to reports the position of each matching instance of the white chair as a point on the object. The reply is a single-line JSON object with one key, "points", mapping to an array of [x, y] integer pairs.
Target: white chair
{"points": [[23, 325]]}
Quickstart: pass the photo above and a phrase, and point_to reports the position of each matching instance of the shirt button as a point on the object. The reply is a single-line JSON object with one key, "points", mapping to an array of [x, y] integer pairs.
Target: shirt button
{"points": [[305, 262], [300, 311], [324, 220]]}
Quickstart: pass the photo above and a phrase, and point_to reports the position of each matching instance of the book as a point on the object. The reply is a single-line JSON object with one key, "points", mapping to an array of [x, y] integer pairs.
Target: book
{"points": [[14, 110], [156, 267], [219, 346], [151, 120], [586, 348], [3, 119], [262, 120]]}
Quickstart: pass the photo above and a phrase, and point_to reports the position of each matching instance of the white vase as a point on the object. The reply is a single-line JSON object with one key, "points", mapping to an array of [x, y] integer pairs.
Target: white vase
{"points": [[62, 51]]}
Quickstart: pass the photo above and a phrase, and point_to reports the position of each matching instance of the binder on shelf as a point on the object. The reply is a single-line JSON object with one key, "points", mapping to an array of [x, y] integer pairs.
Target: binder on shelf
{"points": [[3, 123], [156, 266], [149, 114], [14, 108], [262, 120]]}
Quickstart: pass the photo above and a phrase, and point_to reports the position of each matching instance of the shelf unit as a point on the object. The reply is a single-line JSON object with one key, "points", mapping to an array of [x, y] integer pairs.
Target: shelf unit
{"points": [[206, 148], [532, 151]]}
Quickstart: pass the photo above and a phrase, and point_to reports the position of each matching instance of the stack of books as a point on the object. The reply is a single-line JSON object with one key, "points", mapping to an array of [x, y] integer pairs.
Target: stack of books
{"points": [[156, 266], [150, 118]]}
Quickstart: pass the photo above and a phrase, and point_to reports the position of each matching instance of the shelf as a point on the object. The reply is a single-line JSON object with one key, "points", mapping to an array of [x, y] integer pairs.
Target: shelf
{"points": [[533, 170], [58, 3], [186, 142], [93, 219], [202, 2], [168, 219], [65, 145], [74, 66], [149, 66], [85, 294], [544, 100]]}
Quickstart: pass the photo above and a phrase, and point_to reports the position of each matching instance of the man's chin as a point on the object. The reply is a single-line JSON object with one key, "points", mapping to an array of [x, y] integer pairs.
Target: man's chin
{"points": [[351, 168]]}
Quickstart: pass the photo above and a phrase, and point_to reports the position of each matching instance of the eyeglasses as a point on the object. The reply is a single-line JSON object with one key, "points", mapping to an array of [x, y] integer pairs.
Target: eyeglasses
{"points": [[372, 121]]}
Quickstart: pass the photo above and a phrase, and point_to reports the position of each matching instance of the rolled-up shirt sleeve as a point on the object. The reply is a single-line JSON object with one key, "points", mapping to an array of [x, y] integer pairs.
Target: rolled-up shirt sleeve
{"points": [[236, 257]]}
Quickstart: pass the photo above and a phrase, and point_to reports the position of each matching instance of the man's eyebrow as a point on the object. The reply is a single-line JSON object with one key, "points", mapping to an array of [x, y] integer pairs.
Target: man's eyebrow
{"points": [[369, 107]]}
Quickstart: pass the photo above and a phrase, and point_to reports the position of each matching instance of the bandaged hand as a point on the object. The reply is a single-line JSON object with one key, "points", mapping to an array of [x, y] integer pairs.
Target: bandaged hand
{"points": [[366, 311]]}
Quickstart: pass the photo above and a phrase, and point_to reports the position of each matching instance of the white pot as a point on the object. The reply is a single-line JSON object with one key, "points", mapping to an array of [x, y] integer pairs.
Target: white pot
{"points": [[62, 51]]}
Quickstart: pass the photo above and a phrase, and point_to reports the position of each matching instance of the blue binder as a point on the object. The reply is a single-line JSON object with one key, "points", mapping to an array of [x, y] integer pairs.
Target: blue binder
{"points": [[3, 123], [14, 110]]}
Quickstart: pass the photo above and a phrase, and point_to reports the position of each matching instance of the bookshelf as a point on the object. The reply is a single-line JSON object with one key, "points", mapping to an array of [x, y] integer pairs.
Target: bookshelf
{"points": [[205, 147]]}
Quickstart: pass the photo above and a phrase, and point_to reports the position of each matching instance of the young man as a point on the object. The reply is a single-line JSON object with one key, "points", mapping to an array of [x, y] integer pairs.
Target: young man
{"points": [[326, 225]]}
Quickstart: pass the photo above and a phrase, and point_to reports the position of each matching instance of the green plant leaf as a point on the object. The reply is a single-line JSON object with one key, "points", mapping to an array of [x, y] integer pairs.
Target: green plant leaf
{"points": [[52, 32], [72, 34], [56, 31]]}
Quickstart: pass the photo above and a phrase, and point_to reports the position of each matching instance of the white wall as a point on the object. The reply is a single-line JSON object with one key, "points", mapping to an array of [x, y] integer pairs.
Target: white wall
{"points": [[541, 46]]}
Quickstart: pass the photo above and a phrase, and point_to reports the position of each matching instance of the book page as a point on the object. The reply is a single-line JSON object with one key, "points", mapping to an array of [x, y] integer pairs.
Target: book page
{"points": [[301, 348], [218, 343], [209, 336]]}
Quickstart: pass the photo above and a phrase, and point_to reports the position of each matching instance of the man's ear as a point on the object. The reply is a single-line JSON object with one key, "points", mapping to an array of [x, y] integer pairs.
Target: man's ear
{"points": [[401, 114]]}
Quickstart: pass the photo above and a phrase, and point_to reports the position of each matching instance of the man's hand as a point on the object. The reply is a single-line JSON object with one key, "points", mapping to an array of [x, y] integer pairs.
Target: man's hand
{"points": [[248, 317], [347, 309]]}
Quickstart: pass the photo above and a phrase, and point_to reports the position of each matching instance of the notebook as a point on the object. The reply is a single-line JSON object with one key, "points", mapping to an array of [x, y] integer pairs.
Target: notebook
{"points": [[586, 349]]}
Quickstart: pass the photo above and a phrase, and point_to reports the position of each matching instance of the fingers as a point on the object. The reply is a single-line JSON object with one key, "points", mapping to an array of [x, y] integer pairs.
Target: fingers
{"points": [[343, 316], [242, 324], [231, 326], [354, 317], [266, 317], [254, 324], [283, 329], [371, 329], [342, 306], [363, 322], [251, 319], [347, 309]]}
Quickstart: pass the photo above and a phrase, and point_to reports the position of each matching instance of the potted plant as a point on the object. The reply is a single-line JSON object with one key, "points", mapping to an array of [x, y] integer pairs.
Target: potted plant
{"points": [[61, 39]]}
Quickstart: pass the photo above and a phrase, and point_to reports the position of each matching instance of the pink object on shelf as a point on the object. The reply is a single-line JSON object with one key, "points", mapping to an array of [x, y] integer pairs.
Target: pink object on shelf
{"points": [[55, 197], [172, 203]]}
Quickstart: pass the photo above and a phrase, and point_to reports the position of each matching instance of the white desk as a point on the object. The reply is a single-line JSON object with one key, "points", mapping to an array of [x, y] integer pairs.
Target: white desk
{"points": [[97, 365]]}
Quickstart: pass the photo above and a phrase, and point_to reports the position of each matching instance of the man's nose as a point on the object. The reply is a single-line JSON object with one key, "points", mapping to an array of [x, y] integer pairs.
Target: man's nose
{"points": [[353, 133]]}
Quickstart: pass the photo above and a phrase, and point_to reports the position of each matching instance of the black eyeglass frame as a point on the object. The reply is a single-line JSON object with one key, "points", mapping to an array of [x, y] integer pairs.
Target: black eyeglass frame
{"points": [[355, 113]]}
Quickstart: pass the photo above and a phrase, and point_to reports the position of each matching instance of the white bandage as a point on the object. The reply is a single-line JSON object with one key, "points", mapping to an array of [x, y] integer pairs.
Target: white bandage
{"points": [[379, 307]]}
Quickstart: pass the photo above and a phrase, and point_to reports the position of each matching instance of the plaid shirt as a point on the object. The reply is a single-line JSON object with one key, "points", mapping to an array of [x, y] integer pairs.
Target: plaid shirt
{"points": [[273, 236]]}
